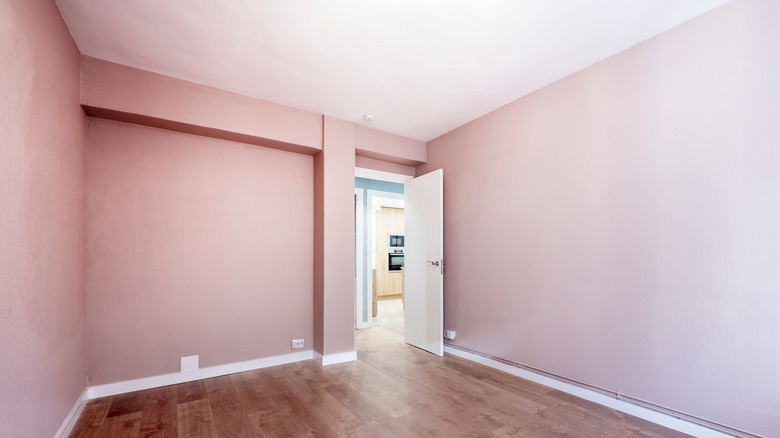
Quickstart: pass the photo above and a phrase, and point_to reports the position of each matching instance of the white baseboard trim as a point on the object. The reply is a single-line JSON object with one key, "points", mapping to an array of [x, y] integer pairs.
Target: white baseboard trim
{"points": [[587, 394], [73, 416], [330, 359], [189, 376]]}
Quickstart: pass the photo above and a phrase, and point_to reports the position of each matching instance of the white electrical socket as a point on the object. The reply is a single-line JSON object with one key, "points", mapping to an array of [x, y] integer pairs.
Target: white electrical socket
{"points": [[297, 343], [189, 363], [449, 334]]}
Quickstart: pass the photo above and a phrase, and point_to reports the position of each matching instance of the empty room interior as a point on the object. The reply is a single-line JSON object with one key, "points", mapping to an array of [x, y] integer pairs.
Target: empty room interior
{"points": [[203, 204]]}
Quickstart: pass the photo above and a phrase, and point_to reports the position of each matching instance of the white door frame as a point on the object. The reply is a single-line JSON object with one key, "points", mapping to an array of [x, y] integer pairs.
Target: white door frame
{"points": [[379, 198], [364, 295], [361, 321]]}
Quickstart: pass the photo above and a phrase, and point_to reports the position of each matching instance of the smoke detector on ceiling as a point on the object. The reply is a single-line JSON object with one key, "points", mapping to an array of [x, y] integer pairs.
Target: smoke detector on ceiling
{"points": [[368, 117]]}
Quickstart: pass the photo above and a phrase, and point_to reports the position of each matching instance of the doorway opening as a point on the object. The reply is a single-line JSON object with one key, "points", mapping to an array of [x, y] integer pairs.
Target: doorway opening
{"points": [[414, 254], [388, 261], [379, 267]]}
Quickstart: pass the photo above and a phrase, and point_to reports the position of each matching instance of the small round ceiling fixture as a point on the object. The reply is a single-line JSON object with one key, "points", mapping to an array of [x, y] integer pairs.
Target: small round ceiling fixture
{"points": [[368, 117]]}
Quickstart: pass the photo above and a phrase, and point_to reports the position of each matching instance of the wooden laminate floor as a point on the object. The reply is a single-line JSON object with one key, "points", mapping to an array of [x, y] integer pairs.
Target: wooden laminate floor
{"points": [[392, 390]]}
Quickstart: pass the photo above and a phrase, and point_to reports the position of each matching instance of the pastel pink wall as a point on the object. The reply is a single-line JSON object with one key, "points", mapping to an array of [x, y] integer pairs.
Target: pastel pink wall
{"points": [[620, 226], [383, 166], [42, 371], [120, 93], [334, 234], [115, 91], [393, 148], [195, 246]]}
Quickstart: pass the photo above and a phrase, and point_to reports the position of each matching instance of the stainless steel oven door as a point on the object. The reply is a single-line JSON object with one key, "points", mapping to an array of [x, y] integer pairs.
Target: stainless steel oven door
{"points": [[395, 261]]}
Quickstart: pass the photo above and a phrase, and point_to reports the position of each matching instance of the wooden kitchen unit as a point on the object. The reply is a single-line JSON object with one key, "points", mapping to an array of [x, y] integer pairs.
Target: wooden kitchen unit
{"points": [[395, 285], [389, 284]]}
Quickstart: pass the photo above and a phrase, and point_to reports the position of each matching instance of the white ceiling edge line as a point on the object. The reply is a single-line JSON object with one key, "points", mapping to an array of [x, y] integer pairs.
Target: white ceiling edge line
{"points": [[361, 172]]}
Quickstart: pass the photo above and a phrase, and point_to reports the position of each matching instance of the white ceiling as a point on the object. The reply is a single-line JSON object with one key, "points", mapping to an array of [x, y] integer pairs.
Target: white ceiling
{"points": [[422, 67]]}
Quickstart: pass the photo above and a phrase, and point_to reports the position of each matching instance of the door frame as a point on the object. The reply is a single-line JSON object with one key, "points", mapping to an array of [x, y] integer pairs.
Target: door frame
{"points": [[371, 195], [361, 321], [364, 294]]}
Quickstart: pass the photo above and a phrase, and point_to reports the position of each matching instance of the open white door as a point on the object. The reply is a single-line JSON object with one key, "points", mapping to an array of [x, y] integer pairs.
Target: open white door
{"points": [[423, 262]]}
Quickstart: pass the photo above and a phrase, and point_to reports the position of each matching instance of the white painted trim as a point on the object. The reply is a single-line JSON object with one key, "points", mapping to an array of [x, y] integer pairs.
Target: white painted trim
{"points": [[587, 394], [361, 172], [73, 417], [361, 320], [189, 376], [330, 359]]}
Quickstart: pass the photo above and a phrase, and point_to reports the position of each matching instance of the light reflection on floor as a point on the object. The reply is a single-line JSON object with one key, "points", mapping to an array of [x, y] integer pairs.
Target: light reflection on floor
{"points": [[389, 312]]}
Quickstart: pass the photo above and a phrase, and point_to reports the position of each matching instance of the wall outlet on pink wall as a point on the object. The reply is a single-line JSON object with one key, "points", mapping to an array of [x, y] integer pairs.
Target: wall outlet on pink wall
{"points": [[297, 343], [449, 334]]}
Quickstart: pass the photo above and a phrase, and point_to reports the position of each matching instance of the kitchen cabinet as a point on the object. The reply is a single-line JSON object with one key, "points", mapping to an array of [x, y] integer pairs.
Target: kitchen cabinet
{"points": [[389, 284]]}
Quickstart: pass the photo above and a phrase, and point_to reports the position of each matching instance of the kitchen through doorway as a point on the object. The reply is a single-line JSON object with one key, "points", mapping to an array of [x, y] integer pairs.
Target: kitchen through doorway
{"points": [[388, 263], [379, 253]]}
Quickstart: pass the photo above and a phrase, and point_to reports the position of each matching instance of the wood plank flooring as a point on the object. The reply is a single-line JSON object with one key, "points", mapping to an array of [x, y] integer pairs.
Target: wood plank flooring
{"points": [[392, 390]]}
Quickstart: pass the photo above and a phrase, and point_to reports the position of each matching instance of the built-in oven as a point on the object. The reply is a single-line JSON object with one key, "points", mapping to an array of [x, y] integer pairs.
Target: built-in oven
{"points": [[395, 252], [395, 261]]}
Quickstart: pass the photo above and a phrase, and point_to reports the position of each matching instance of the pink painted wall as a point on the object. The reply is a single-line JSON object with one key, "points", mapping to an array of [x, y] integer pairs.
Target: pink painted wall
{"points": [[195, 246], [41, 221], [383, 166], [334, 260], [123, 93], [318, 291], [620, 226], [120, 93]]}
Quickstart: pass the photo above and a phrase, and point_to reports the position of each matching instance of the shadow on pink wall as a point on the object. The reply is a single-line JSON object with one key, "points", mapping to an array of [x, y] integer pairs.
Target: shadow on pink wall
{"points": [[619, 227]]}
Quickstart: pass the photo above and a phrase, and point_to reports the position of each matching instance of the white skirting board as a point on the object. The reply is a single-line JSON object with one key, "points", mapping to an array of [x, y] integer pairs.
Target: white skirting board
{"points": [[602, 399], [73, 416], [330, 359], [221, 370], [189, 376]]}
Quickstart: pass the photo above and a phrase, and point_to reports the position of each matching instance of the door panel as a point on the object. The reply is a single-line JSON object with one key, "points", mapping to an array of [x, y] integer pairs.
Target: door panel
{"points": [[424, 269]]}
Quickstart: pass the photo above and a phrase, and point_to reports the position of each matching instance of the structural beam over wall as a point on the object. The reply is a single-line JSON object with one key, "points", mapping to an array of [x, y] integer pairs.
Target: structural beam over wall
{"points": [[383, 166], [392, 148], [126, 94]]}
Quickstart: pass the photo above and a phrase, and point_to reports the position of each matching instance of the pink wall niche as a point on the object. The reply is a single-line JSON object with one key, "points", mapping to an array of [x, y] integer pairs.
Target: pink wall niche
{"points": [[620, 226], [195, 246], [42, 336]]}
